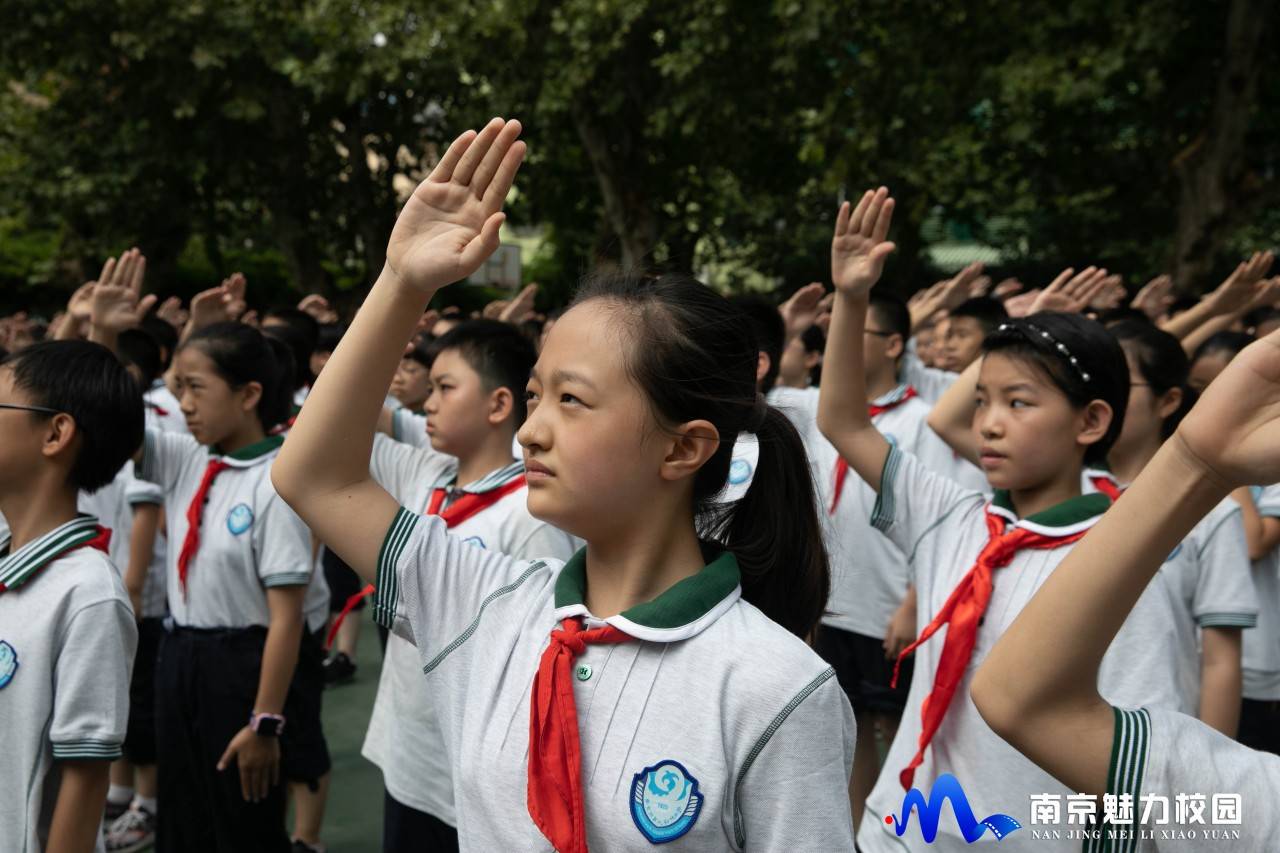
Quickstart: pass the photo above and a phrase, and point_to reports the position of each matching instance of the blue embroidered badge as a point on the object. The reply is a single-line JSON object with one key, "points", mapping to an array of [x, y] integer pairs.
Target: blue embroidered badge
{"points": [[474, 540], [8, 664], [665, 801], [239, 519], [739, 472]]}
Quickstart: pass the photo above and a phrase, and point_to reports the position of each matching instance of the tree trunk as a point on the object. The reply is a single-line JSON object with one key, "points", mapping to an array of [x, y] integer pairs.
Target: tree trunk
{"points": [[1211, 171], [626, 206]]}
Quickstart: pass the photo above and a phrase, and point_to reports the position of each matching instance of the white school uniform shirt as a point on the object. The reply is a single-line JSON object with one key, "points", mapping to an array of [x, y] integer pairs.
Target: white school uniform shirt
{"points": [[250, 539], [405, 739], [710, 692], [746, 448], [942, 528], [1208, 574], [930, 382], [163, 411], [1260, 655], [113, 506], [1158, 753], [869, 576], [67, 640], [410, 428]]}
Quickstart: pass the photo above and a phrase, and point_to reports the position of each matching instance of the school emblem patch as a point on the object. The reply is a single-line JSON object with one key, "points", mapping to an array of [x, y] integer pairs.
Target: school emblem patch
{"points": [[239, 519], [474, 540], [665, 801], [8, 664], [739, 472]]}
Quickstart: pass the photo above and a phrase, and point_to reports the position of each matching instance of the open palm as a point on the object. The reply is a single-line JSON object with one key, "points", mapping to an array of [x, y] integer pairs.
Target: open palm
{"points": [[450, 224], [117, 300], [1235, 426], [860, 243]]}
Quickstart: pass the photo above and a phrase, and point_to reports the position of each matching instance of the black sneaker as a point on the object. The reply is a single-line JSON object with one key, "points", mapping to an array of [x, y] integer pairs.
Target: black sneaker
{"points": [[339, 669], [300, 846]]}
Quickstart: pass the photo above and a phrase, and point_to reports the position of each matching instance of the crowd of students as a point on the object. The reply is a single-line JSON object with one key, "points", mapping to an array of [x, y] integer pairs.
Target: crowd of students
{"points": [[663, 567]]}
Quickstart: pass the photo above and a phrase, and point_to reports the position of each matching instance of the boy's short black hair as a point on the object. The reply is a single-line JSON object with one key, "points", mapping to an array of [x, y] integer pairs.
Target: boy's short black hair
{"points": [[330, 335], [164, 334], [987, 311], [85, 381], [307, 327], [498, 352], [138, 349], [891, 314], [770, 331]]}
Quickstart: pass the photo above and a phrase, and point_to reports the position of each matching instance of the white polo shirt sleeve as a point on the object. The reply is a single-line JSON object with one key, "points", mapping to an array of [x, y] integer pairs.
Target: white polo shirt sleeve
{"points": [[1225, 596], [281, 542], [409, 428], [930, 382], [1161, 753], [431, 584], [403, 469], [137, 491], [915, 501], [792, 792], [167, 458], [91, 682]]}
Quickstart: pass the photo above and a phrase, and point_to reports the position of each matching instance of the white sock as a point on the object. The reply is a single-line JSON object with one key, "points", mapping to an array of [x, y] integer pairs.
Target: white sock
{"points": [[119, 795], [148, 803]]}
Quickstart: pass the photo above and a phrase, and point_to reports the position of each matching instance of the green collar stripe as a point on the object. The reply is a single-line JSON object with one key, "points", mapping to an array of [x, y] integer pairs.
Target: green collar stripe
{"points": [[496, 479], [1066, 514], [685, 602], [18, 567], [257, 450]]}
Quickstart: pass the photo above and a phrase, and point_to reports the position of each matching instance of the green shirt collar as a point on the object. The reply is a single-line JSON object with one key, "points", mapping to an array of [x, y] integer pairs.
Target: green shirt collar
{"points": [[22, 565], [1061, 519], [682, 611], [256, 451]]}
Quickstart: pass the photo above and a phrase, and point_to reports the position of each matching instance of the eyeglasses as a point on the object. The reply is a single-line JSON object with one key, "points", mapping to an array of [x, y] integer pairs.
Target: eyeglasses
{"points": [[41, 409]]}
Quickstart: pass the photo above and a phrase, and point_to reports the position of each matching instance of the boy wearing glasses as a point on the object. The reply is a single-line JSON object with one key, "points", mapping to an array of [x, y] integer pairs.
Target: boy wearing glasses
{"points": [[70, 417]]}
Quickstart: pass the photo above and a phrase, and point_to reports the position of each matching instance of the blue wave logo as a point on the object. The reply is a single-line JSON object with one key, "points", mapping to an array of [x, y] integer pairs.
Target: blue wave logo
{"points": [[947, 788]]}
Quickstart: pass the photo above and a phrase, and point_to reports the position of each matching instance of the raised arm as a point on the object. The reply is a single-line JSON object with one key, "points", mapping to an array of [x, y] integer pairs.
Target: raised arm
{"points": [[1037, 688], [952, 416], [858, 251], [446, 230]]}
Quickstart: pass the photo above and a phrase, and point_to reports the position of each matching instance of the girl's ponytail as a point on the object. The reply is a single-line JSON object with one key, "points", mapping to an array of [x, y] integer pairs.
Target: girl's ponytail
{"points": [[775, 533]]}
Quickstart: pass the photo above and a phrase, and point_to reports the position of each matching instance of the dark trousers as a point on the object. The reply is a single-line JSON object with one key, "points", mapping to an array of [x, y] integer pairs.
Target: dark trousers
{"points": [[206, 683], [1260, 725], [407, 830]]}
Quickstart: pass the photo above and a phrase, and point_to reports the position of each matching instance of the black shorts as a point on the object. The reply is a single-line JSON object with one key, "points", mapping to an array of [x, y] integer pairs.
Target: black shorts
{"points": [[140, 736], [342, 579], [304, 752], [1260, 725], [863, 671]]}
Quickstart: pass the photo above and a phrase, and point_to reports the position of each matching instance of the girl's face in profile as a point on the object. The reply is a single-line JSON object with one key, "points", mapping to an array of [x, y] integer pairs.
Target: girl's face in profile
{"points": [[592, 448]]}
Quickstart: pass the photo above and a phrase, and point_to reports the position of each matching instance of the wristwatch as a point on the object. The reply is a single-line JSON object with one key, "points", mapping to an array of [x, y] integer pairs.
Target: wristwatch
{"points": [[267, 725]]}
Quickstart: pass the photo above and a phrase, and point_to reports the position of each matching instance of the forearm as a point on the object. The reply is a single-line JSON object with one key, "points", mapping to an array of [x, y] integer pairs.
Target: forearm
{"points": [[952, 416], [107, 337], [1221, 681], [1192, 341], [345, 404], [1038, 686], [142, 542], [842, 397], [70, 329], [77, 815], [1190, 320], [279, 657]]}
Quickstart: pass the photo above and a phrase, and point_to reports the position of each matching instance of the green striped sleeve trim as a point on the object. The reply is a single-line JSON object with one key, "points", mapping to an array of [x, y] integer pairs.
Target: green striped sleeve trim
{"points": [[387, 595], [287, 579], [475, 623], [90, 750], [882, 514], [395, 425], [739, 831], [1129, 747], [1227, 620]]}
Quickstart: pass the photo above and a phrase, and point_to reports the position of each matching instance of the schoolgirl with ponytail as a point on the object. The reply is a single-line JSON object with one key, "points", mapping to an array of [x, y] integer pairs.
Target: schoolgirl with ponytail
{"points": [[657, 685], [238, 566]]}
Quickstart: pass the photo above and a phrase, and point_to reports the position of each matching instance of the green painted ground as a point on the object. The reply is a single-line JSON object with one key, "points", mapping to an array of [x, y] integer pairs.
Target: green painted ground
{"points": [[353, 821]]}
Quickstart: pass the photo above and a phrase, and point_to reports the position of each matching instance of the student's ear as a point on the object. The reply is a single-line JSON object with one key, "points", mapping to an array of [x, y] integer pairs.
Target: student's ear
{"points": [[894, 347], [1094, 422], [501, 403], [763, 363], [812, 360], [1170, 402], [250, 395], [691, 445], [60, 434]]}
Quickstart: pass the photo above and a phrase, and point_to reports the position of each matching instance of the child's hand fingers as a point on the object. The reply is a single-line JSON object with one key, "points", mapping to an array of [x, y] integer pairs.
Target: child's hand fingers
{"points": [[443, 172], [475, 152], [842, 219], [497, 189], [494, 158], [859, 212], [883, 221], [145, 304], [483, 244]]}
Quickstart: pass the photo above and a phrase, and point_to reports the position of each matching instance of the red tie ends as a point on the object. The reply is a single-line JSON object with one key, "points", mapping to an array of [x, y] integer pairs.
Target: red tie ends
{"points": [[195, 509], [555, 756], [961, 614]]}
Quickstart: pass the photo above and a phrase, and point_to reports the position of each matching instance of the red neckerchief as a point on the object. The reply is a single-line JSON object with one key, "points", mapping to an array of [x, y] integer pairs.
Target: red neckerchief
{"points": [[1108, 487], [842, 467], [101, 542], [194, 511], [961, 614], [555, 756], [456, 513]]}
